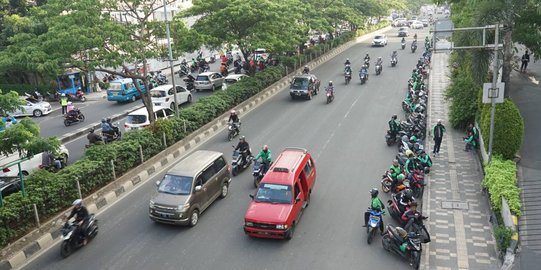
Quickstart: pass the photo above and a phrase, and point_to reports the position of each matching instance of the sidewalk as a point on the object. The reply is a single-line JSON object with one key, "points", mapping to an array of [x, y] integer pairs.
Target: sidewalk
{"points": [[526, 93], [457, 209]]}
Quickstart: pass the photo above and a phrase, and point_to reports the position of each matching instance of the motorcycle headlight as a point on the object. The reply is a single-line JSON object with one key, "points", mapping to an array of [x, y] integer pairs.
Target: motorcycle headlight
{"points": [[281, 226]]}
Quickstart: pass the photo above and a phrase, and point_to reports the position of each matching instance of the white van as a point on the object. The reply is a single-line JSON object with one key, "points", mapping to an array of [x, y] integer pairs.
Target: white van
{"points": [[163, 96], [27, 166], [139, 118]]}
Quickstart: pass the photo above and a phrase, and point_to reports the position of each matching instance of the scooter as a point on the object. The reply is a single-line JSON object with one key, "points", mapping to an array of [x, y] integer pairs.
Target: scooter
{"points": [[72, 119], [374, 222], [347, 76], [363, 76], [189, 80], [409, 248], [394, 61], [78, 96], [233, 130], [238, 164], [258, 171], [330, 97], [403, 45], [367, 63], [378, 69], [413, 47], [70, 242]]}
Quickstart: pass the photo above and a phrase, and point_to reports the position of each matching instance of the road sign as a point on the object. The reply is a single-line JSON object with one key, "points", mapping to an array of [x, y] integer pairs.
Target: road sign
{"points": [[490, 93]]}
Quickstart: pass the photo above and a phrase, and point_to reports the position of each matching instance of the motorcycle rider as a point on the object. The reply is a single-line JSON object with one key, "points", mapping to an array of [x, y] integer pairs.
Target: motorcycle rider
{"points": [[411, 216], [364, 70], [394, 126], [306, 70], [394, 56], [115, 128], [330, 88], [415, 36], [375, 205], [81, 219], [379, 62], [244, 148], [235, 120], [93, 138], [266, 158], [106, 128], [367, 59], [403, 41], [405, 199], [410, 165], [347, 71], [347, 62], [424, 160]]}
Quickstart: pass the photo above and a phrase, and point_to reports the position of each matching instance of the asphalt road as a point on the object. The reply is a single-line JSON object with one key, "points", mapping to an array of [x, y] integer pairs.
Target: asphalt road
{"points": [[346, 139]]}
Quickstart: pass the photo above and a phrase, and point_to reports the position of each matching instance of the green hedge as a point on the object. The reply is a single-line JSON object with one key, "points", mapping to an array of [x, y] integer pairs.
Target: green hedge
{"points": [[508, 128], [53, 193], [501, 181], [463, 94]]}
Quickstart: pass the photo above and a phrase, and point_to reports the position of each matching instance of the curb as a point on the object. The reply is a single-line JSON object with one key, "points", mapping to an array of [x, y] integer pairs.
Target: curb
{"points": [[114, 191]]}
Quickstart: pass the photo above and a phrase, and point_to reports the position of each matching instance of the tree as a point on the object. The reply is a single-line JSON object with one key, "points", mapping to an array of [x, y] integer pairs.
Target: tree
{"points": [[269, 24], [85, 34]]}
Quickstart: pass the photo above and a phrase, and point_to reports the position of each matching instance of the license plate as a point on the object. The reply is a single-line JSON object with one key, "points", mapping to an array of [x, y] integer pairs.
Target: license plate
{"points": [[298, 94]]}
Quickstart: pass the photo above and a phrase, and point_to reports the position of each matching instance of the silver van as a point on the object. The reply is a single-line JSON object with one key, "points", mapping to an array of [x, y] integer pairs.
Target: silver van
{"points": [[188, 188]]}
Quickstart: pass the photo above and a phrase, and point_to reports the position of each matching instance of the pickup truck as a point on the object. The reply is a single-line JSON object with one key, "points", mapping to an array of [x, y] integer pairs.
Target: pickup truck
{"points": [[282, 196]]}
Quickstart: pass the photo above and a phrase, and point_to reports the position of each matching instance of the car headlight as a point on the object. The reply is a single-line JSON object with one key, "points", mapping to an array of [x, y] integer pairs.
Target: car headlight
{"points": [[183, 208], [151, 204], [281, 226], [249, 224]]}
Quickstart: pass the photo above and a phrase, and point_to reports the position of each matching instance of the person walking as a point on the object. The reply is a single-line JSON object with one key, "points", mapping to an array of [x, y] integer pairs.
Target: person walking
{"points": [[64, 103], [525, 59], [437, 135]]}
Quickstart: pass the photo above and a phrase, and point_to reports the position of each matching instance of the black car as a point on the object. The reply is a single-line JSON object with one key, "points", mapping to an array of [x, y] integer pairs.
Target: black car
{"points": [[305, 85], [9, 185]]}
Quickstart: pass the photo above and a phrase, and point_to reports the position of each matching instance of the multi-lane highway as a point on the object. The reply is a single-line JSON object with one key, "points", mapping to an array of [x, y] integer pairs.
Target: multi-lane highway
{"points": [[346, 139]]}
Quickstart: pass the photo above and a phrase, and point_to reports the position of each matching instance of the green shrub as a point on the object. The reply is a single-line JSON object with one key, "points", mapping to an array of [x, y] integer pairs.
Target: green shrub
{"points": [[463, 94], [508, 129], [503, 236], [501, 181]]}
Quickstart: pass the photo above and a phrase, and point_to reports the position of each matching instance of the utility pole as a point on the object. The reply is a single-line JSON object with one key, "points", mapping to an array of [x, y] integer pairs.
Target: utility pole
{"points": [[167, 26], [493, 99]]}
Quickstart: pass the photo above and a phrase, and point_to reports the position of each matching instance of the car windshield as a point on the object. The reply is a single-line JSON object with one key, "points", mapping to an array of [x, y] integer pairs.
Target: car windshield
{"points": [[158, 94], [378, 37], [115, 86], [176, 185], [230, 81], [273, 193], [202, 78], [300, 83], [137, 119]]}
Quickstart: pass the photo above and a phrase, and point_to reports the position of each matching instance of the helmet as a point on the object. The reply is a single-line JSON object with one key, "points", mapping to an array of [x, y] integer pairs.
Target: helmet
{"points": [[413, 138], [242, 138], [63, 94], [91, 130], [367, 54], [408, 194], [409, 153], [374, 192], [414, 70], [265, 147], [108, 119], [69, 103], [404, 138], [379, 57], [400, 177], [347, 59], [439, 121], [77, 202], [103, 120], [233, 112], [395, 116], [330, 83], [305, 66], [395, 161]]}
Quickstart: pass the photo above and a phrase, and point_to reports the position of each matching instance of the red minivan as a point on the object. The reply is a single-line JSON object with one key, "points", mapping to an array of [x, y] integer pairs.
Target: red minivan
{"points": [[282, 196]]}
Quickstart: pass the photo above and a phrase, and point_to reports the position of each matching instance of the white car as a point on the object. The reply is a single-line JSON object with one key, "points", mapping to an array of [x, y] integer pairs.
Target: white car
{"points": [[27, 166], [33, 107], [208, 81], [163, 96], [139, 118], [379, 40], [417, 25], [233, 78], [260, 53]]}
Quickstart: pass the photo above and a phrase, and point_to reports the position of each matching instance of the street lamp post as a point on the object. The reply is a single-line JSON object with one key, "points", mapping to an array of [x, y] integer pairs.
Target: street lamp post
{"points": [[167, 25]]}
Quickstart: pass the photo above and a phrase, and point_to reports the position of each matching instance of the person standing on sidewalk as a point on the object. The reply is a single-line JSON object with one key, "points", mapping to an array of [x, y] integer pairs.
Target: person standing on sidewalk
{"points": [[525, 59], [437, 134], [64, 103]]}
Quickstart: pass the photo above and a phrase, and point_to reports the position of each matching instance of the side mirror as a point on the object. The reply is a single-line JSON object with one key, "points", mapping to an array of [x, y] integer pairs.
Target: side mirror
{"points": [[198, 188], [252, 196], [158, 183]]}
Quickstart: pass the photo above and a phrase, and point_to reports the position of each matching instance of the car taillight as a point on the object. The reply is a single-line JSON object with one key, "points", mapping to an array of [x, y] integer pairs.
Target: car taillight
{"points": [[126, 126], [6, 170], [229, 168], [41, 166]]}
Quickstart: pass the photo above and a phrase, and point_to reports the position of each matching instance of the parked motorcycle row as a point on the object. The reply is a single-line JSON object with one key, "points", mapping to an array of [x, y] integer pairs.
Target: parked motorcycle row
{"points": [[410, 141]]}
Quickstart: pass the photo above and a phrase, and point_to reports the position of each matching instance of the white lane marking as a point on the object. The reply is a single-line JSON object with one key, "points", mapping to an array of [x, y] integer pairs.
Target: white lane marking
{"points": [[351, 107]]}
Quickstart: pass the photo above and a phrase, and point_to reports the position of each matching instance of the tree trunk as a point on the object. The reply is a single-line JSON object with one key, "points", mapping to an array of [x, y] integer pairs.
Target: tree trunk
{"points": [[145, 96], [507, 62]]}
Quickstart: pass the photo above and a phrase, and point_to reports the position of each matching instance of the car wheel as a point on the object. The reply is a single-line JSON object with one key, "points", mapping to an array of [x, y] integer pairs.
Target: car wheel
{"points": [[189, 100], [213, 87], [133, 98], [172, 106], [194, 217], [289, 234], [37, 113], [225, 190]]}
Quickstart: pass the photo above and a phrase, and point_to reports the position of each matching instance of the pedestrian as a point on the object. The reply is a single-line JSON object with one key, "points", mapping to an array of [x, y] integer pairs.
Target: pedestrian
{"points": [[470, 142], [437, 135], [64, 103], [525, 59], [475, 131]]}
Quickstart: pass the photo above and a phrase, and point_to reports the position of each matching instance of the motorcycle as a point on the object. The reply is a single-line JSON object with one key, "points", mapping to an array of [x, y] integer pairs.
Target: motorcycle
{"points": [[78, 96], [238, 66], [394, 61], [392, 242], [413, 48], [330, 97], [403, 45], [72, 119], [238, 164], [387, 183], [258, 169], [70, 243], [53, 96], [374, 222], [367, 63], [233, 130], [390, 140], [347, 75], [212, 59], [363, 76], [160, 78], [378, 69], [52, 167], [189, 80], [204, 68], [184, 70]]}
